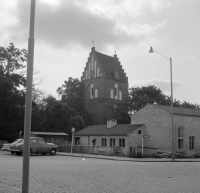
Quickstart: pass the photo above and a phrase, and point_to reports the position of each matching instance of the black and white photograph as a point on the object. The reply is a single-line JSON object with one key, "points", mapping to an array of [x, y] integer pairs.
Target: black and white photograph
{"points": [[99, 96]]}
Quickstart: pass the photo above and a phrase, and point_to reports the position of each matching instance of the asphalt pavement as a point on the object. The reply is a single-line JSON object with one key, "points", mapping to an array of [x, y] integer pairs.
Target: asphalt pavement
{"points": [[48, 173]]}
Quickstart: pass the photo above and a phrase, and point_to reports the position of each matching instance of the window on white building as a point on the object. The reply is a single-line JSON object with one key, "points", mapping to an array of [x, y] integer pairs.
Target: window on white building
{"points": [[180, 137], [191, 142], [103, 142], [121, 142], [112, 142]]}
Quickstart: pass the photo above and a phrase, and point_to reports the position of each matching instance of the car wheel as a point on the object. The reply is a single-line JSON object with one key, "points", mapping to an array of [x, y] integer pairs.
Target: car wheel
{"points": [[53, 152], [12, 152], [18, 153], [44, 153]]}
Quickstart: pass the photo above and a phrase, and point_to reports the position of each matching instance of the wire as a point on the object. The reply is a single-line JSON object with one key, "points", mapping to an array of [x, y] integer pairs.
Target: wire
{"points": [[133, 22], [161, 54], [140, 31]]}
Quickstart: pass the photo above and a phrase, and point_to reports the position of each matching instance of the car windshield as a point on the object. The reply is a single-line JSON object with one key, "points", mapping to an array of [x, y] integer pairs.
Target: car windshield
{"points": [[18, 140], [21, 141]]}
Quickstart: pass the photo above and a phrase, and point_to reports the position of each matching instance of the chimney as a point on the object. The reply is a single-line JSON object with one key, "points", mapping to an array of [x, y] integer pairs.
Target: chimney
{"points": [[111, 123]]}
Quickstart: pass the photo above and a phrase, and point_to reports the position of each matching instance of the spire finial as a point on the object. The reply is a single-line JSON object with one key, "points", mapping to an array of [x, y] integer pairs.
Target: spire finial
{"points": [[115, 55], [93, 42]]}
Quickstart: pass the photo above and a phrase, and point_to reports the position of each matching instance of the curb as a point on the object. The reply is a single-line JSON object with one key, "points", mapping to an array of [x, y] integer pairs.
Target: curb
{"points": [[130, 160]]}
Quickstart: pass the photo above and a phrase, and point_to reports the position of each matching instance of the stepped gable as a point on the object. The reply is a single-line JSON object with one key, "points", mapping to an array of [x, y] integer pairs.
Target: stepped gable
{"points": [[111, 64]]}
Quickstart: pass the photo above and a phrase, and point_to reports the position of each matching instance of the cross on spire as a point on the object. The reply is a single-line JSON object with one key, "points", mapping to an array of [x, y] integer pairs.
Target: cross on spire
{"points": [[93, 42]]}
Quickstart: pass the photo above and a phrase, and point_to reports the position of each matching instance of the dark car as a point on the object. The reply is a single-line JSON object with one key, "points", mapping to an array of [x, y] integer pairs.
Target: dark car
{"points": [[37, 145]]}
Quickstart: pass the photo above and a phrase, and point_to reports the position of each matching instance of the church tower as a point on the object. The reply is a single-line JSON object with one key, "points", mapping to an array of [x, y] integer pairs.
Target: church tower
{"points": [[106, 85]]}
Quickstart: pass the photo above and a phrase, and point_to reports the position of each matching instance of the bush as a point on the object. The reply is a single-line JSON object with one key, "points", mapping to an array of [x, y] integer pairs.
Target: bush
{"points": [[197, 155]]}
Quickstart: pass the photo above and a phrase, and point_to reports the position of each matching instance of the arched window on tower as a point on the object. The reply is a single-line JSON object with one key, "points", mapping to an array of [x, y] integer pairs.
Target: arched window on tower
{"points": [[116, 91], [120, 95], [92, 91], [111, 93], [96, 93]]}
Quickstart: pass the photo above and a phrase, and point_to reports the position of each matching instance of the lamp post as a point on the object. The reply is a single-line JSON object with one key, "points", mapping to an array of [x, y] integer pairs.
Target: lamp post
{"points": [[172, 118], [28, 102], [73, 130]]}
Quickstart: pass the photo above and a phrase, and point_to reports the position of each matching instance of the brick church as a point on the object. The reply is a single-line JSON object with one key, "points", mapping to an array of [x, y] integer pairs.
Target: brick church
{"points": [[106, 85]]}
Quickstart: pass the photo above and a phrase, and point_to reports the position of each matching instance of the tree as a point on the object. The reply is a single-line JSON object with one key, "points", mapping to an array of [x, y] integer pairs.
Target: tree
{"points": [[51, 115], [73, 93], [12, 95], [141, 96], [54, 115], [190, 105], [122, 112]]}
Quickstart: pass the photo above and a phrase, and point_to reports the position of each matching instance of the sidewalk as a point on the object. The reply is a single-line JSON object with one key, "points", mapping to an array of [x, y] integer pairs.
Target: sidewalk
{"points": [[116, 158]]}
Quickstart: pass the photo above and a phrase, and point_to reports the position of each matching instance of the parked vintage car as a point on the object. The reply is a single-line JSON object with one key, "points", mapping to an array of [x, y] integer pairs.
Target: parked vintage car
{"points": [[6, 146], [37, 145]]}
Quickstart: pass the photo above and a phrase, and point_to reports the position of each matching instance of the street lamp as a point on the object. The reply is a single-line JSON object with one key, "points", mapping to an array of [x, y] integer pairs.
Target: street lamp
{"points": [[73, 131], [28, 102], [172, 118]]}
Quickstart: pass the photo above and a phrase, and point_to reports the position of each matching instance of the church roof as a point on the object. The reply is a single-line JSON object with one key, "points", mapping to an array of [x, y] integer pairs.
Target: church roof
{"points": [[102, 130], [179, 110], [110, 65]]}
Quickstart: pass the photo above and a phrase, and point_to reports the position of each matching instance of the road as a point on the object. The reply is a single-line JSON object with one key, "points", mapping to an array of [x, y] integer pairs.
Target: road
{"points": [[64, 174]]}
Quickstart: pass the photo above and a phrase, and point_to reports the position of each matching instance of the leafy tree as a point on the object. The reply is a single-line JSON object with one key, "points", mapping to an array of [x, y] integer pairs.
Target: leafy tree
{"points": [[77, 122], [55, 116], [140, 97], [122, 112], [190, 105], [12, 96], [73, 93]]}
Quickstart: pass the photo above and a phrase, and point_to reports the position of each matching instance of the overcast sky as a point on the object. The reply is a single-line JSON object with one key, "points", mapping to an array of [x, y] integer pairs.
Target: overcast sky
{"points": [[64, 30]]}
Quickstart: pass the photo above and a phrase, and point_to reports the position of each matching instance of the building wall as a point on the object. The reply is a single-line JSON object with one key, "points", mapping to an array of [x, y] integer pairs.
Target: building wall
{"points": [[191, 128], [103, 106], [87, 141], [158, 126], [102, 109]]}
